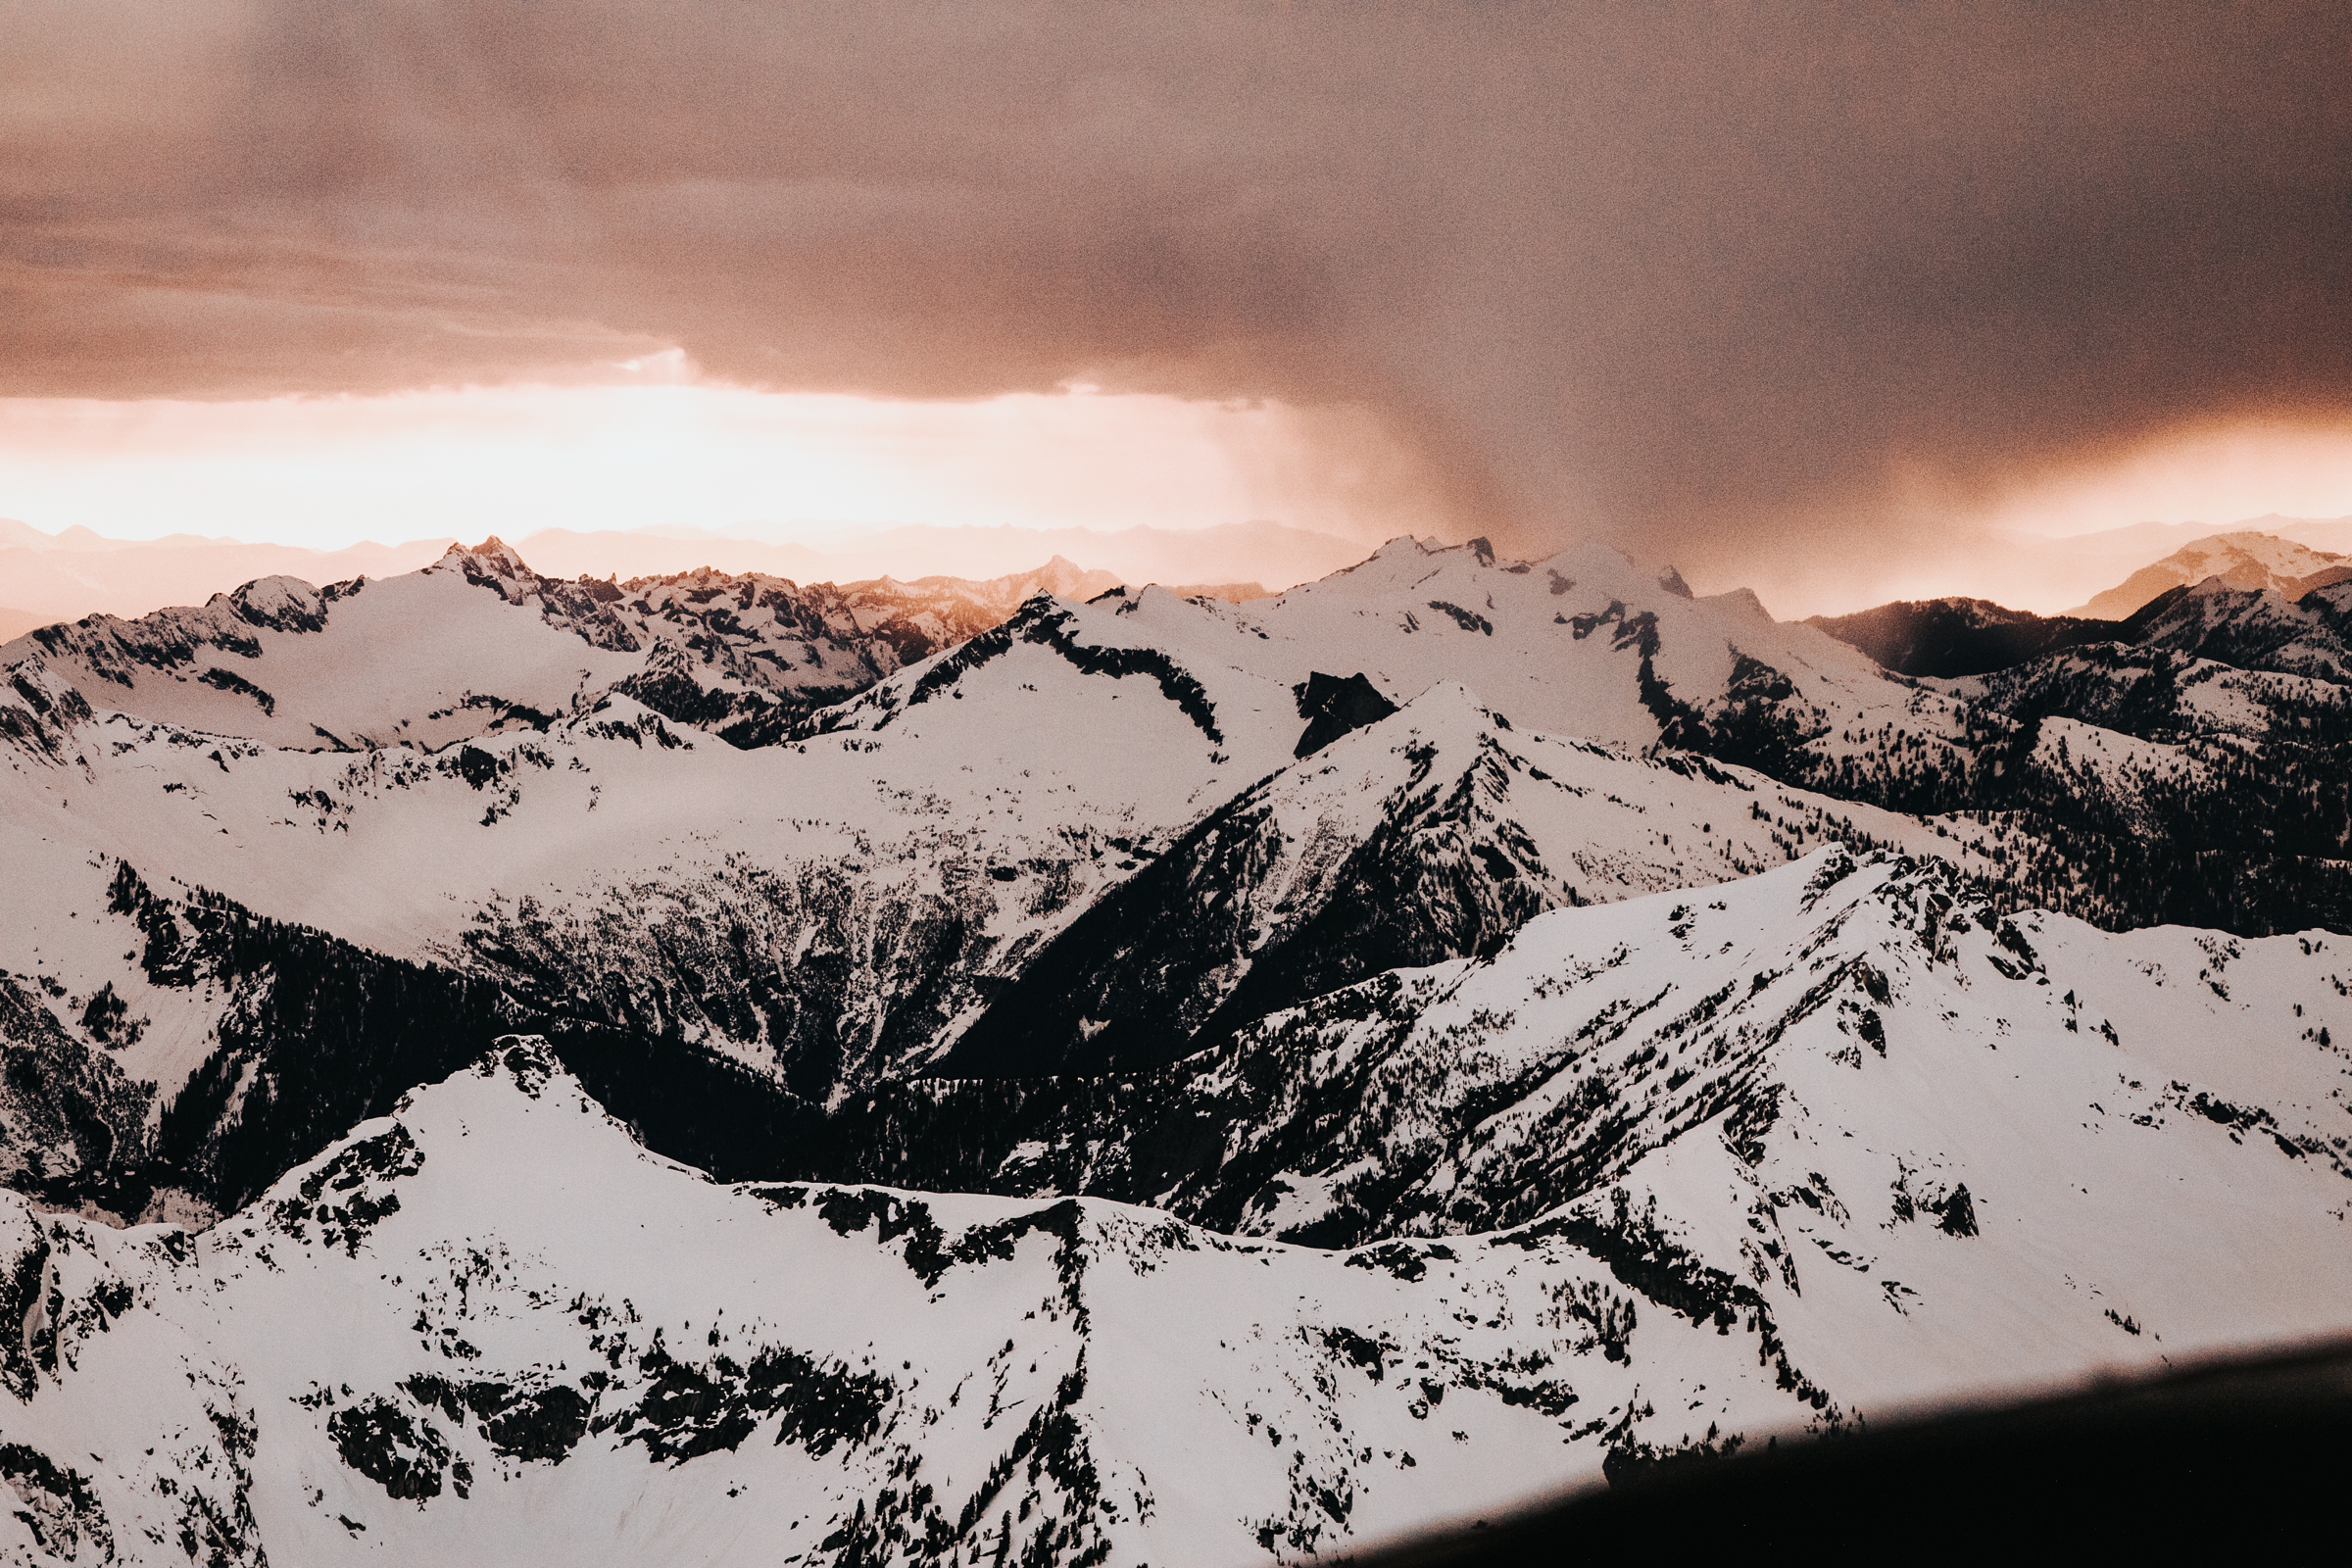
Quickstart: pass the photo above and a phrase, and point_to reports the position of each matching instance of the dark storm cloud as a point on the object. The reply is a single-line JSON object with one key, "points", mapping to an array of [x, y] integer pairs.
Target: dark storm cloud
{"points": [[1650, 270]]}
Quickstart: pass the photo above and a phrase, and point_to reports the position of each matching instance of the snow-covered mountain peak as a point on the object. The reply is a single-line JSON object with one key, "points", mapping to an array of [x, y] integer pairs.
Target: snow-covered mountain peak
{"points": [[1585, 644], [1174, 664], [492, 558], [424, 660], [1404, 546], [2282, 558], [2216, 586], [1440, 910], [487, 1328], [1428, 832], [280, 604], [421, 660], [1742, 602], [1874, 991], [2245, 560], [1848, 1093]]}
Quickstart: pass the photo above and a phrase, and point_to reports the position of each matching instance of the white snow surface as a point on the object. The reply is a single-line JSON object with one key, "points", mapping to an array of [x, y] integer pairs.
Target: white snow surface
{"points": [[616, 821], [2118, 1106], [1552, 644], [1904, 1152], [2077, 1154], [1192, 1399], [478, 642], [427, 658], [613, 820]]}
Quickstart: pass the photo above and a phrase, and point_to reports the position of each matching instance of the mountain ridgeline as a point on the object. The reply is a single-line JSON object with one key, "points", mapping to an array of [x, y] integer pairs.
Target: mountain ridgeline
{"points": [[745, 1063], [921, 905], [1947, 637]]}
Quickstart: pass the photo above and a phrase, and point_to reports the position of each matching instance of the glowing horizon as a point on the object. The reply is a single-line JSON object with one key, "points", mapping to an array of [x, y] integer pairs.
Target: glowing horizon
{"points": [[325, 473], [658, 446]]}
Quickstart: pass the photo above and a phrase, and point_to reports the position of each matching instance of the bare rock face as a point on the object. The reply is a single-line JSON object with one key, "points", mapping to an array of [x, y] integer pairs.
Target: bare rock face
{"points": [[1332, 707], [38, 710]]}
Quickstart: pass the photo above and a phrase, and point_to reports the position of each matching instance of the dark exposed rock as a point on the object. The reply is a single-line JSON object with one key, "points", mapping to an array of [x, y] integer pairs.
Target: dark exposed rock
{"points": [[544, 1424], [227, 680], [38, 710], [687, 1411], [407, 1457], [351, 1193], [57, 1504], [1468, 620], [1333, 707]]}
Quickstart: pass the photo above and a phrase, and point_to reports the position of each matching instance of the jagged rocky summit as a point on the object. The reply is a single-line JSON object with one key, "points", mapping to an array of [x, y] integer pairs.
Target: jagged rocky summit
{"points": [[480, 643]]}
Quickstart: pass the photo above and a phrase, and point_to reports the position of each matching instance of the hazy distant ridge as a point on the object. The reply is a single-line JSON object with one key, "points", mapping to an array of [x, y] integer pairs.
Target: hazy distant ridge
{"points": [[64, 577]]}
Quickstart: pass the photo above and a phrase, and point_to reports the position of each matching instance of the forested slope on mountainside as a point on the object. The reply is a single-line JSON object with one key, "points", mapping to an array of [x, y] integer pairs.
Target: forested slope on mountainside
{"points": [[1949, 637], [2188, 762], [1430, 833], [1475, 1094]]}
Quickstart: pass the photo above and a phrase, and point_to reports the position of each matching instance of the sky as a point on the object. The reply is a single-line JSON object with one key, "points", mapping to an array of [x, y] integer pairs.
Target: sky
{"points": [[1801, 297], [669, 451]]}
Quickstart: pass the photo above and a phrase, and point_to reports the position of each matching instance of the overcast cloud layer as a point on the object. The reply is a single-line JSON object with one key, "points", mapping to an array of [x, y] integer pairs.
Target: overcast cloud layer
{"points": [[1690, 278]]}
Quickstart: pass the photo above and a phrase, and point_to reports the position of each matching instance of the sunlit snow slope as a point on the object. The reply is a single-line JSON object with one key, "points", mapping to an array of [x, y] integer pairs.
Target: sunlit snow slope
{"points": [[491, 1329]]}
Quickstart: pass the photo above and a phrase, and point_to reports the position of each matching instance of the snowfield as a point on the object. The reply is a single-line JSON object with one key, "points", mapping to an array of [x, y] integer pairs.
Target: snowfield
{"points": [[493, 1329]]}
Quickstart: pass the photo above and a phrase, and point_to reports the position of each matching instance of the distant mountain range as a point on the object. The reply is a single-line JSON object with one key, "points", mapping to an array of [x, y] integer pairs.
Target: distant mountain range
{"points": [[64, 577], [2242, 559], [2143, 541], [2256, 617], [717, 1069]]}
